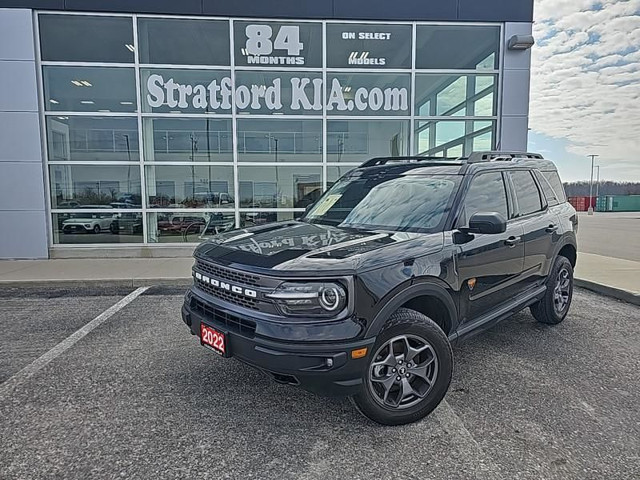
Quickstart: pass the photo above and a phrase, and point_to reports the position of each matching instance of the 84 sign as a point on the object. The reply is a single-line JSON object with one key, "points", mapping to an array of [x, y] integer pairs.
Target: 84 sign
{"points": [[278, 44]]}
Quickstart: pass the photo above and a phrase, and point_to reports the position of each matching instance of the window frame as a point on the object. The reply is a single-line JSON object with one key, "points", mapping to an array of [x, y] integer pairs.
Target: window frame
{"points": [[541, 197], [461, 210]]}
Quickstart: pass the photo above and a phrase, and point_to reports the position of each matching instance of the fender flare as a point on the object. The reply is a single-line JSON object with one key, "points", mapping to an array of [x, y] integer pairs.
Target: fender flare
{"points": [[567, 239], [430, 287]]}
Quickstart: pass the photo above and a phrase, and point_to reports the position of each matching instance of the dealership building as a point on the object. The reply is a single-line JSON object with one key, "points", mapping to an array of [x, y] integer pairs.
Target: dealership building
{"points": [[140, 127]]}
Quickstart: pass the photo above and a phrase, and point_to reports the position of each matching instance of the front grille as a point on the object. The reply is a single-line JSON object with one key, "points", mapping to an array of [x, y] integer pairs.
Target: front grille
{"points": [[232, 322], [228, 274], [226, 295]]}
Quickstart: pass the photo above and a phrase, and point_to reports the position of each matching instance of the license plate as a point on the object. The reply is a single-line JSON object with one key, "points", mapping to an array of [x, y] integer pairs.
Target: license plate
{"points": [[212, 338]]}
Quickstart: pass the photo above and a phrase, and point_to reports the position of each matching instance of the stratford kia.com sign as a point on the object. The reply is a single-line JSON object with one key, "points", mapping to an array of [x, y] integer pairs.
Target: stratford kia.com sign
{"points": [[300, 94]]}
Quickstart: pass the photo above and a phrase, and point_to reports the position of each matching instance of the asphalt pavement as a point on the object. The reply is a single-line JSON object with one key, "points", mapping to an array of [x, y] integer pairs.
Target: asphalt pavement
{"points": [[138, 397], [610, 234]]}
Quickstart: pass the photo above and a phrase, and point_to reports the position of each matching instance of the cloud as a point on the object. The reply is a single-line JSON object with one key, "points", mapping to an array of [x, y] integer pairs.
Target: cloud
{"points": [[585, 84]]}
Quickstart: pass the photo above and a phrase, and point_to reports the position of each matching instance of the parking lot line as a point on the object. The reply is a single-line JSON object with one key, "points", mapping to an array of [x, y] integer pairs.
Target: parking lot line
{"points": [[67, 343]]}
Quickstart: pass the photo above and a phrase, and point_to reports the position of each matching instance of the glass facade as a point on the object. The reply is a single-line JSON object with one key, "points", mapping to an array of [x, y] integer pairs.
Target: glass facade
{"points": [[168, 130]]}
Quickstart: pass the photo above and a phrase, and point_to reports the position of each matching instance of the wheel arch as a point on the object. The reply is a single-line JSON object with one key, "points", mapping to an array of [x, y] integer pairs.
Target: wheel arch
{"points": [[428, 297]]}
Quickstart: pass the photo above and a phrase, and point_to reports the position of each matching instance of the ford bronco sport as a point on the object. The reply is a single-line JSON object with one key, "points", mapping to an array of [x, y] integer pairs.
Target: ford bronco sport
{"points": [[365, 293]]}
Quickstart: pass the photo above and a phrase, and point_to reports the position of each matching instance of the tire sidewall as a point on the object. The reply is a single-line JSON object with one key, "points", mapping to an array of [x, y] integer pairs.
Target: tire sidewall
{"points": [[430, 332], [559, 264]]}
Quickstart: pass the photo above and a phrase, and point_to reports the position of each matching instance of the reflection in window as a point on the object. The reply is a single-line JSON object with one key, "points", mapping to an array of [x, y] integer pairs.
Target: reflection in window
{"points": [[527, 193], [457, 47], [195, 186], [113, 186], [453, 138], [183, 41], [97, 226], [359, 140], [81, 38], [89, 89], [453, 95], [187, 227], [251, 219], [92, 139], [279, 141], [279, 187], [486, 194], [335, 173], [188, 139]]}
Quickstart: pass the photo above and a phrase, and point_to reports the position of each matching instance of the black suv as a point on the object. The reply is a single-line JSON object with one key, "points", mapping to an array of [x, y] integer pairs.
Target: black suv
{"points": [[365, 293]]}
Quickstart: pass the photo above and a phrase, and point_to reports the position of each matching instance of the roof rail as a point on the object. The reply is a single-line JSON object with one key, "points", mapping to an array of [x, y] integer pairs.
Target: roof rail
{"points": [[477, 157], [376, 162]]}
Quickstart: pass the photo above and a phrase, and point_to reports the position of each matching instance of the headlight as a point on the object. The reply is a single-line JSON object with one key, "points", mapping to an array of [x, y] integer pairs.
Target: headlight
{"points": [[87, 225], [310, 298]]}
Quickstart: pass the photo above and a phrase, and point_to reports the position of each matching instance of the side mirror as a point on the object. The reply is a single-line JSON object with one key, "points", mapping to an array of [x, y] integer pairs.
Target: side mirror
{"points": [[489, 223]]}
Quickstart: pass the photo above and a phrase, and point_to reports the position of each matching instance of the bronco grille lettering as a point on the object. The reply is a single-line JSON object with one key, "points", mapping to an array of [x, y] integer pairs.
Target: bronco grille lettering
{"points": [[247, 292]]}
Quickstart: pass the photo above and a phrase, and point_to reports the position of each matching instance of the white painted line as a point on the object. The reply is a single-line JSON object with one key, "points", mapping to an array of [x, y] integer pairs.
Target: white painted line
{"points": [[485, 467], [67, 343]]}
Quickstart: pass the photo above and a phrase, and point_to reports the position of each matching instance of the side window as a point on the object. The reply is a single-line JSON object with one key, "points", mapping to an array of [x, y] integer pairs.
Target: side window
{"points": [[486, 193], [554, 180], [527, 193], [547, 189]]}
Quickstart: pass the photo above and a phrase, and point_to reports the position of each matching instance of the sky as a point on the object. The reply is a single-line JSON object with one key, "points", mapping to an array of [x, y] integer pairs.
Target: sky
{"points": [[585, 87]]}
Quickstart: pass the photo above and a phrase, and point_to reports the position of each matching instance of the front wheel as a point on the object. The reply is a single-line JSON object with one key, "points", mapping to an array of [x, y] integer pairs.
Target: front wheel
{"points": [[554, 306], [409, 372]]}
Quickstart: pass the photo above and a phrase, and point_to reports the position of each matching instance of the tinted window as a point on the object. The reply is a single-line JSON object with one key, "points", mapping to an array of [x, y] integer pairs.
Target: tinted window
{"points": [[554, 180], [457, 46], [79, 38], [486, 193], [527, 193], [184, 42], [409, 203], [549, 193]]}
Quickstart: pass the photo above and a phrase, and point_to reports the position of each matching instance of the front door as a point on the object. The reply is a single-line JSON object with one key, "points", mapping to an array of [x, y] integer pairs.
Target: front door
{"points": [[489, 266]]}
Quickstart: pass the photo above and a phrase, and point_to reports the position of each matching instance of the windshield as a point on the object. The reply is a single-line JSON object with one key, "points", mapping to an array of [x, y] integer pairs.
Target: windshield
{"points": [[411, 203]]}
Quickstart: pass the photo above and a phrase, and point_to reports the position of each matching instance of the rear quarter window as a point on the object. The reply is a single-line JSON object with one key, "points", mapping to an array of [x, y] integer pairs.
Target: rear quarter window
{"points": [[554, 180]]}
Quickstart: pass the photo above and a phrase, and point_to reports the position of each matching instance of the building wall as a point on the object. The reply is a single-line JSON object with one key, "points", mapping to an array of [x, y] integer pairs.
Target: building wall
{"points": [[22, 194]]}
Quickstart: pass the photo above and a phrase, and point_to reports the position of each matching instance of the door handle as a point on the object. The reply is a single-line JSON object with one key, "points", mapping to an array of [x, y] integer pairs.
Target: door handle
{"points": [[551, 229], [512, 241]]}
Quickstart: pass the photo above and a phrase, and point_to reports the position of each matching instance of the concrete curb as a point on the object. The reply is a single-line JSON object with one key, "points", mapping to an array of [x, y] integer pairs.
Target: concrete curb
{"points": [[608, 291], [118, 282]]}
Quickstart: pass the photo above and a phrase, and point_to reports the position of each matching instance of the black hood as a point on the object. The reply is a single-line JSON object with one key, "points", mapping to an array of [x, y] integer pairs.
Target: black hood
{"points": [[304, 247]]}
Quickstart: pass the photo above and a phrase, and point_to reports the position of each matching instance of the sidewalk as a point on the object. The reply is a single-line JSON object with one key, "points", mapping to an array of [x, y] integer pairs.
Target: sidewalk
{"points": [[609, 276]]}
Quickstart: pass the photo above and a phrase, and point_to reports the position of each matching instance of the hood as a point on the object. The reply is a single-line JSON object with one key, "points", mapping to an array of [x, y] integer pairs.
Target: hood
{"points": [[304, 247]]}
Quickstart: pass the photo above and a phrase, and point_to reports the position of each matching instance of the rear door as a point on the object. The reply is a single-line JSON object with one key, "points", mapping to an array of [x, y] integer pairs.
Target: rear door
{"points": [[489, 266], [540, 224]]}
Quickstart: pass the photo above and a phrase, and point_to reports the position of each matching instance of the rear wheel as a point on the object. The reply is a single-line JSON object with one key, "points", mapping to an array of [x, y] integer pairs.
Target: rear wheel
{"points": [[96, 229], [409, 372], [554, 306]]}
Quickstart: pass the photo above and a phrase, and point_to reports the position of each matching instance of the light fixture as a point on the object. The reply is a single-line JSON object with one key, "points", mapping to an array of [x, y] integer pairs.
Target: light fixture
{"points": [[126, 103], [130, 47], [105, 111], [82, 83], [521, 42], [86, 102], [86, 83], [77, 83], [347, 89], [63, 118], [55, 102], [243, 51]]}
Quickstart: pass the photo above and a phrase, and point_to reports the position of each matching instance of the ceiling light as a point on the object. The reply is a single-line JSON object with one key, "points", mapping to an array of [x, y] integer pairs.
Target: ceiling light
{"points": [[77, 83], [86, 102], [105, 111], [243, 51], [130, 47], [55, 102], [63, 118], [85, 83], [126, 103]]}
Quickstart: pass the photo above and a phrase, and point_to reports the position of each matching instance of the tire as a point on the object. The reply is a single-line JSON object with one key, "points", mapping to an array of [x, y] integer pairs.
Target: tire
{"points": [[96, 229], [390, 402], [554, 306]]}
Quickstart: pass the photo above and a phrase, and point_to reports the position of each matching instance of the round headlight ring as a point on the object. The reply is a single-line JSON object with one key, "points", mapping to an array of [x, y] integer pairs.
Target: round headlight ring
{"points": [[330, 298]]}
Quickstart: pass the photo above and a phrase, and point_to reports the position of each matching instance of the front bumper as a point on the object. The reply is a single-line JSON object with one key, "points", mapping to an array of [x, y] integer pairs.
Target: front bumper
{"points": [[322, 367]]}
